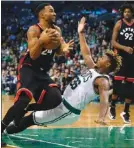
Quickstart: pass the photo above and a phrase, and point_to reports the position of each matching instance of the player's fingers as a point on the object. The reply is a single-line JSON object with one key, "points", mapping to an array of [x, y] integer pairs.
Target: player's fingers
{"points": [[71, 41], [71, 44], [53, 35], [54, 38], [52, 31], [70, 47]]}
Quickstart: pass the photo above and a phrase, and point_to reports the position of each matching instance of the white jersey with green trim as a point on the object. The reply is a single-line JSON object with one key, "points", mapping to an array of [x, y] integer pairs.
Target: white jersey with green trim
{"points": [[81, 91]]}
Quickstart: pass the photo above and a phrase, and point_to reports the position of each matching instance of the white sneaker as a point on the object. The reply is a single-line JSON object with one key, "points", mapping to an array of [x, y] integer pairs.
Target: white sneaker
{"points": [[125, 116]]}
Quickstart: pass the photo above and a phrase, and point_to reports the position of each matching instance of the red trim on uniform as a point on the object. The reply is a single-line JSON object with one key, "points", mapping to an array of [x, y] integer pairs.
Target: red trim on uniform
{"points": [[18, 77], [53, 85], [21, 61], [27, 64], [120, 78], [120, 23], [41, 97], [38, 24], [28, 93], [129, 24], [18, 85], [130, 79]]}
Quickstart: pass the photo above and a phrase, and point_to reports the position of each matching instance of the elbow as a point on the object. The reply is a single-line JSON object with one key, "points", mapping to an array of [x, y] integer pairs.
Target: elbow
{"points": [[33, 56]]}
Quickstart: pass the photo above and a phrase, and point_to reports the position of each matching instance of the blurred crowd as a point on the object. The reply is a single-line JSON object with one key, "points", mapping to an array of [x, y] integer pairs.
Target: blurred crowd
{"points": [[98, 36]]}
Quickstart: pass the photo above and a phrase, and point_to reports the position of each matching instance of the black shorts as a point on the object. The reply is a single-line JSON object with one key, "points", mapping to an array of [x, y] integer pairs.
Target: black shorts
{"points": [[34, 84], [119, 88], [123, 88], [127, 68]]}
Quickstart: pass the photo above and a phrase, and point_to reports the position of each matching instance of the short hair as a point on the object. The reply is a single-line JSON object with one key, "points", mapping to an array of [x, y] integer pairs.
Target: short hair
{"points": [[40, 7], [126, 6], [116, 61]]}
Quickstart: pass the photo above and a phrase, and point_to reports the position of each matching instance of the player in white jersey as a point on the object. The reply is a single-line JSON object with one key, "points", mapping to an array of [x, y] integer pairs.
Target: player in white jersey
{"points": [[80, 92]]}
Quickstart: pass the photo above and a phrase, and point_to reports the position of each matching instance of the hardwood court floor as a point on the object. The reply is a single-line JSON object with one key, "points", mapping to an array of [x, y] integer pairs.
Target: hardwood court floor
{"points": [[85, 133]]}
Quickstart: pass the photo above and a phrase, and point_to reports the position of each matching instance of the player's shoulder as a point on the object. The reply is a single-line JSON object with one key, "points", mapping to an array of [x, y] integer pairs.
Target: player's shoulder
{"points": [[103, 82], [118, 23], [103, 79], [33, 30]]}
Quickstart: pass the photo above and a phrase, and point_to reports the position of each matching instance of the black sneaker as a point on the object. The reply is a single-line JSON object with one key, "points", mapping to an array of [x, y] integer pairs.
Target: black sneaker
{"points": [[125, 116], [3, 144], [112, 113]]}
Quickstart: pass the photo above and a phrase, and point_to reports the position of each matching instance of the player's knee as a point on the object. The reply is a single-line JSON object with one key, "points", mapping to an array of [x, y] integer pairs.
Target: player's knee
{"points": [[128, 100], [56, 96], [114, 97], [24, 98]]}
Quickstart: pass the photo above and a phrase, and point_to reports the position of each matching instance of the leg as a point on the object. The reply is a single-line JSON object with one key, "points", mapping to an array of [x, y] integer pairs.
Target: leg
{"points": [[112, 112], [51, 100], [16, 111], [24, 124], [129, 88], [125, 114]]}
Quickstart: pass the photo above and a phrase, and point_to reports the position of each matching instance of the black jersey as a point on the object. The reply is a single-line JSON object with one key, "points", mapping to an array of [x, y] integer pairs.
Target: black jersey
{"points": [[43, 63], [126, 35]]}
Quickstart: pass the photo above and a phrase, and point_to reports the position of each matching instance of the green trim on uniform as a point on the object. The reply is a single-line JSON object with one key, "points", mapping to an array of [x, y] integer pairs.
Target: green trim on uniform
{"points": [[72, 109]]}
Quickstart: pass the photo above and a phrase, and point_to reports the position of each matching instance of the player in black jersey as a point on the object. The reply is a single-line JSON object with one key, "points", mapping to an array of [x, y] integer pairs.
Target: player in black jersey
{"points": [[33, 80], [123, 42]]}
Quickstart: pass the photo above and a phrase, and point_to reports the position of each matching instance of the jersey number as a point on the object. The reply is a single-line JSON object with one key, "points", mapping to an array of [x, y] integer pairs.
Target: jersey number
{"points": [[46, 52], [128, 36], [75, 82]]}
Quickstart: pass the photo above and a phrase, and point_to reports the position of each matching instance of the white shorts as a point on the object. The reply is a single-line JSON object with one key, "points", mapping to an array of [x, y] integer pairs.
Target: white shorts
{"points": [[57, 116]]}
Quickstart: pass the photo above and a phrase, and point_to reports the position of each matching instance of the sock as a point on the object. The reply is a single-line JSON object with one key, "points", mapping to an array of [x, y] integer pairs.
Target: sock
{"points": [[113, 102], [126, 109], [16, 110], [24, 123]]}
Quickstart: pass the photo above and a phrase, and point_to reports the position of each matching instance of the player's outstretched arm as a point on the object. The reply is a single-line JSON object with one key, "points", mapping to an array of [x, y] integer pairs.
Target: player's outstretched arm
{"points": [[85, 50], [104, 87]]}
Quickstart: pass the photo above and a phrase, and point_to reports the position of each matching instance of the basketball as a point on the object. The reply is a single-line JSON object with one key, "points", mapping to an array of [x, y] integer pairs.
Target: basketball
{"points": [[54, 44]]}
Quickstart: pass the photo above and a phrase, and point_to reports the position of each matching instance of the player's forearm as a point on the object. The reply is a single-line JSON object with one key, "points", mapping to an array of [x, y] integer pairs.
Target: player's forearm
{"points": [[118, 46], [103, 110], [36, 48], [103, 106], [85, 50]]}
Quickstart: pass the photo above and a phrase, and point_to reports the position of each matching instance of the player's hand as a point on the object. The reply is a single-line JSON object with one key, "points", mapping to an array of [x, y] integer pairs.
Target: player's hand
{"points": [[129, 50], [101, 122], [81, 25], [68, 46]]}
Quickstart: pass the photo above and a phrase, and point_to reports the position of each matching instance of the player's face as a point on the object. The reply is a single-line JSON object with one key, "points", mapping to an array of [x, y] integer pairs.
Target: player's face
{"points": [[103, 62], [127, 14], [49, 14]]}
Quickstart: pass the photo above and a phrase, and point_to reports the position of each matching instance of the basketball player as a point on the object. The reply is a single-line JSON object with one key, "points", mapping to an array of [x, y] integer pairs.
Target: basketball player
{"points": [[81, 91], [123, 41], [33, 80]]}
